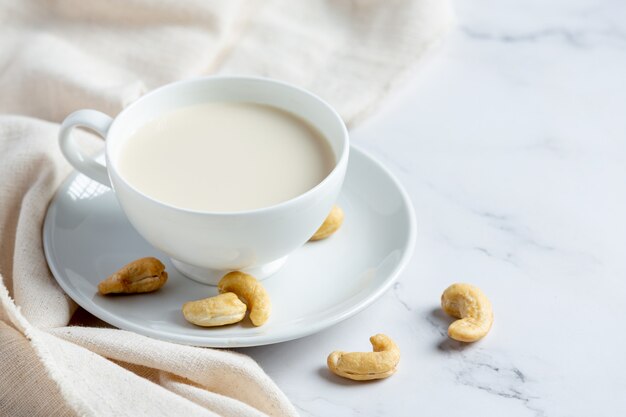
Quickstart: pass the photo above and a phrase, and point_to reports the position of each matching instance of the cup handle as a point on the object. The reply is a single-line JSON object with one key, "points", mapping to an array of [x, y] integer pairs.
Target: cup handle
{"points": [[99, 123]]}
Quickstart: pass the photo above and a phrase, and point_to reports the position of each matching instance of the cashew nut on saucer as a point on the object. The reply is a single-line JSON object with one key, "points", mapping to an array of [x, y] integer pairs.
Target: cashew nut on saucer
{"points": [[363, 366], [331, 224], [251, 292], [471, 306], [215, 311], [142, 275]]}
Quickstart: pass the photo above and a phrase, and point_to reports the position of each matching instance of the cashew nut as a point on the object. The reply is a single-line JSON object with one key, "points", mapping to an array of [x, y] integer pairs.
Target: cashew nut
{"points": [[215, 311], [142, 275], [363, 366], [471, 306], [331, 224], [251, 292]]}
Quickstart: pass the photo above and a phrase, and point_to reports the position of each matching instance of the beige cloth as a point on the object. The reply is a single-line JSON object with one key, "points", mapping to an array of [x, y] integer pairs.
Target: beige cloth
{"points": [[60, 56]]}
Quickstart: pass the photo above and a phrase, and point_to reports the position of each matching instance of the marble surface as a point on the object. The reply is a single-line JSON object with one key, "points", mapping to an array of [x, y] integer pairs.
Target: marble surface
{"points": [[512, 144]]}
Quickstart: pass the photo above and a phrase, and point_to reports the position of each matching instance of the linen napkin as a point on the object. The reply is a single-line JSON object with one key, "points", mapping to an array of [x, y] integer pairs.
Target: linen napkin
{"points": [[63, 55]]}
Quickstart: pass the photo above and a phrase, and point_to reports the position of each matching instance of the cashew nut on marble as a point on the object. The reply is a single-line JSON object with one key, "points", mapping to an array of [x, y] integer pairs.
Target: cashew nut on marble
{"points": [[215, 311], [473, 309], [331, 224], [142, 275], [363, 366], [251, 292]]}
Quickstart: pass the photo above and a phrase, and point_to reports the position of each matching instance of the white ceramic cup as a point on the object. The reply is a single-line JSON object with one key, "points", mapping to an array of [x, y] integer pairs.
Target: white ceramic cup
{"points": [[204, 245]]}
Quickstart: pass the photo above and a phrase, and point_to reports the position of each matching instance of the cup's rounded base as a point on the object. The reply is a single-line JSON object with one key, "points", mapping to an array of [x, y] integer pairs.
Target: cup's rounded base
{"points": [[212, 276]]}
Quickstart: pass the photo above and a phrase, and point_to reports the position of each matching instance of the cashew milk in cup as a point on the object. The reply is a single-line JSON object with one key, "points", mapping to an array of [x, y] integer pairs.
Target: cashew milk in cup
{"points": [[225, 157], [219, 173]]}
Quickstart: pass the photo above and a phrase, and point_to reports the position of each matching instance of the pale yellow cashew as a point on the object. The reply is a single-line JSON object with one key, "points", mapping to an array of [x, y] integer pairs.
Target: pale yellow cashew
{"points": [[331, 224], [215, 311], [363, 366], [251, 292], [142, 275], [472, 307]]}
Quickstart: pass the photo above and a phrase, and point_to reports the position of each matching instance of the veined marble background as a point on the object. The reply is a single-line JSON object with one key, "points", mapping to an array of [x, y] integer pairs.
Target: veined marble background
{"points": [[511, 142]]}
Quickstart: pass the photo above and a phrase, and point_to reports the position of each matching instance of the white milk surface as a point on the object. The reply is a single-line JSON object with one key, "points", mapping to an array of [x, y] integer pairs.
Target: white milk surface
{"points": [[225, 157]]}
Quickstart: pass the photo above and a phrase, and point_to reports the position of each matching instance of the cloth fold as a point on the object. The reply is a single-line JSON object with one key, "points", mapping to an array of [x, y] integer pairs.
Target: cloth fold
{"points": [[63, 55]]}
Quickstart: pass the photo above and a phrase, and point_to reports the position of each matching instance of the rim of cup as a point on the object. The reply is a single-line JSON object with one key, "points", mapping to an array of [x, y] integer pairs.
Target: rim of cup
{"points": [[339, 163]]}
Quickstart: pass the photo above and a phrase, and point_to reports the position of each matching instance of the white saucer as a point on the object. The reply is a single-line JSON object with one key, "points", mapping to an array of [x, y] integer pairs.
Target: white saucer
{"points": [[86, 238]]}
